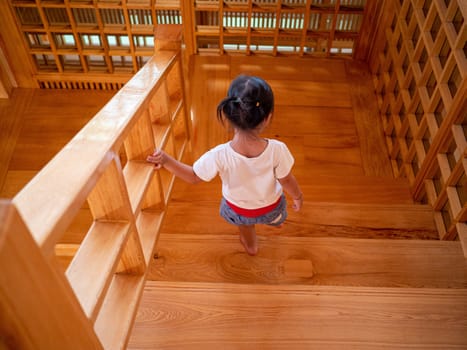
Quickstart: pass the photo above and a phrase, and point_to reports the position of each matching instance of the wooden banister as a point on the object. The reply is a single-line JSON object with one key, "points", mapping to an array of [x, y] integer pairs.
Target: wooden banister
{"points": [[103, 169]]}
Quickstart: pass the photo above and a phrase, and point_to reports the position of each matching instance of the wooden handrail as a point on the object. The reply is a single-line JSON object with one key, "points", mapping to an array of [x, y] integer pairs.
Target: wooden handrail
{"points": [[103, 167]]}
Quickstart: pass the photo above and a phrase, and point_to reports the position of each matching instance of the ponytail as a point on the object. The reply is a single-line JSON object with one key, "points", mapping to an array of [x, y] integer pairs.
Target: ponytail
{"points": [[249, 102]]}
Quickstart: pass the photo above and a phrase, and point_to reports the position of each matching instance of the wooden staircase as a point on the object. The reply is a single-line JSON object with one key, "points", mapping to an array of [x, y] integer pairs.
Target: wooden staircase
{"points": [[360, 267], [344, 284], [311, 285]]}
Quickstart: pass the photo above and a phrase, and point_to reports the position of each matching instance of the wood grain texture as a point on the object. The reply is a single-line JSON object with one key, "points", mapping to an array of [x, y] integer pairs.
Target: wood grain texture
{"points": [[51, 120], [358, 227], [212, 316], [310, 260], [11, 121], [16, 54], [289, 68], [207, 292], [45, 121], [32, 290], [367, 120], [320, 188], [348, 212], [209, 81]]}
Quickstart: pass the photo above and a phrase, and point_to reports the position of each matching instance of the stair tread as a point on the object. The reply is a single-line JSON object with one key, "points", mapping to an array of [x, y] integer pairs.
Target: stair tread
{"points": [[406, 220], [320, 188], [310, 260], [239, 316]]}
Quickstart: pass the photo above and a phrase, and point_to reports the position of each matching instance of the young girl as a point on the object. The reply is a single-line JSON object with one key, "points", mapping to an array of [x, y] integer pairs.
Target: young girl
{"points": [[253, 170]]}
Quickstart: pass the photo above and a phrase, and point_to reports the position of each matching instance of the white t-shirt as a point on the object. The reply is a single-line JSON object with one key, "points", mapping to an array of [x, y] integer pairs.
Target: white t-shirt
{"points": [[249, 183]]}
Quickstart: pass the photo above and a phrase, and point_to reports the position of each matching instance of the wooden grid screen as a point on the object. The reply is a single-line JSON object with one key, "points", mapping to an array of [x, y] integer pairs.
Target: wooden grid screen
{"points": [[79, 43], [288, 27], [420, 73]]}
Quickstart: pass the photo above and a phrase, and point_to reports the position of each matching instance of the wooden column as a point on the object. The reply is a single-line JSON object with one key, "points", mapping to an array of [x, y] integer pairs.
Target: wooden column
{"points": [[14, 57], [373, 19]]}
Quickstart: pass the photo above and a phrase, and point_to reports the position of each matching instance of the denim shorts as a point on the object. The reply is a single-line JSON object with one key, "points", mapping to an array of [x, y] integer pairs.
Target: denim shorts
{"points": [[274, 218]]}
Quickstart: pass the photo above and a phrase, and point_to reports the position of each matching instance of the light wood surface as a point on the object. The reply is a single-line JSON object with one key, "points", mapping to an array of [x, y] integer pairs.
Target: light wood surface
{"points": [[35, 125], [351, 201], [108, 267], [310, 260], [31, 288], [359, 227], [237, 316], [419, 69]]}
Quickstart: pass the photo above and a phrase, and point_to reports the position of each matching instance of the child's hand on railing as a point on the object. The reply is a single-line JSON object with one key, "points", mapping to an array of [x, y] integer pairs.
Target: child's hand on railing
{"points": [[158, 158]]}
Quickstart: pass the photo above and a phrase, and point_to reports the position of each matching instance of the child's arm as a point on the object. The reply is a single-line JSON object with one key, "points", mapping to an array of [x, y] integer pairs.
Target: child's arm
{"points": [[290, 185], [184, 171]]}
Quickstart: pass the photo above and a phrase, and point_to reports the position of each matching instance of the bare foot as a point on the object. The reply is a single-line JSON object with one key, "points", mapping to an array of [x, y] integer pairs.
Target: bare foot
{"points": [[249, 239], [250, 250]]}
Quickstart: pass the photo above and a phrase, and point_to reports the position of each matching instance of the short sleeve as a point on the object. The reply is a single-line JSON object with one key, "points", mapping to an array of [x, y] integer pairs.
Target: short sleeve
{"points": [[283, 160], [206, 166]]}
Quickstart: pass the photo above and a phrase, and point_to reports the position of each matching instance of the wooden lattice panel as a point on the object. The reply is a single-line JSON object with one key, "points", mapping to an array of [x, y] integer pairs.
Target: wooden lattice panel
{"points": [[80, 43], [298, 27], [420, 71]]}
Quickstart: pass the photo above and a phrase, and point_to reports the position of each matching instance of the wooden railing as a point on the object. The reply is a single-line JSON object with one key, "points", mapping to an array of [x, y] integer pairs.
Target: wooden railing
{"points": [[90, 301]]}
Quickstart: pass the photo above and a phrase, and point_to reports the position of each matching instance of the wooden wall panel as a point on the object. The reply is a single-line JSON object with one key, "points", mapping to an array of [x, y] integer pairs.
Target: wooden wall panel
{"points": [[420, 76]]}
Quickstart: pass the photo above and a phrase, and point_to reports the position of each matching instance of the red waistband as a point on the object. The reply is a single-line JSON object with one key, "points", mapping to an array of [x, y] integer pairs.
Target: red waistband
{"points": [[253, 213]]}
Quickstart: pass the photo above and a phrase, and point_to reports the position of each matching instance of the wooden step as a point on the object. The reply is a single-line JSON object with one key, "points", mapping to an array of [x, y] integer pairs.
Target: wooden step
{"points": [[319, 188], [355, 189], [315, 219], [313, 261], [236, 316], [353, 206], [362, 221]]}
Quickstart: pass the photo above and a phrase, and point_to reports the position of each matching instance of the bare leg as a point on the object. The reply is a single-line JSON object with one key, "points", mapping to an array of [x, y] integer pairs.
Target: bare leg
{"points": [[249, 239]]}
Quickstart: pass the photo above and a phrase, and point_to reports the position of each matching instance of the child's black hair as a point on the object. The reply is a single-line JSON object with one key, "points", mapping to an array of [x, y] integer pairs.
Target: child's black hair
{"points": [[249, 102]]}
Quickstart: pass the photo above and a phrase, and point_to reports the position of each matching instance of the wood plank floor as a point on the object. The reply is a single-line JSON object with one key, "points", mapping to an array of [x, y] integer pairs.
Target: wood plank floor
{"points": [[35, 124]]}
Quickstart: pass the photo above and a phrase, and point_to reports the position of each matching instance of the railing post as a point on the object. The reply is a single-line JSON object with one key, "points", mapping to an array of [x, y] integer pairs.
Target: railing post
{"points": [[167, 37], [38, 307], [173, 37], [188, 18]]}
